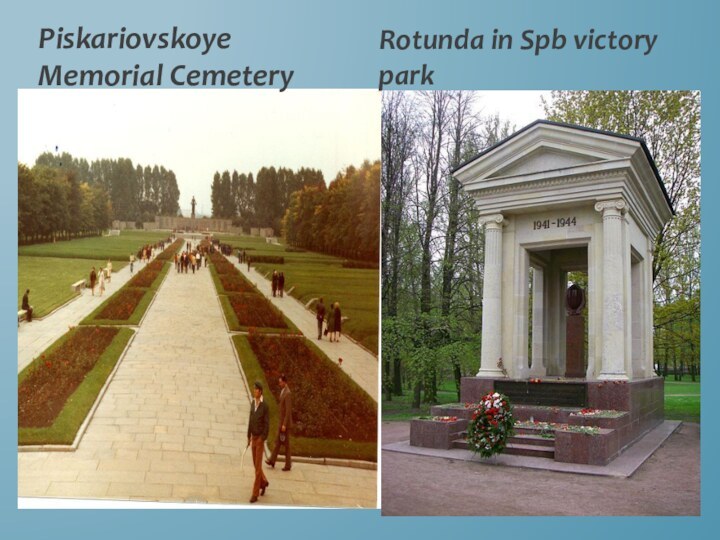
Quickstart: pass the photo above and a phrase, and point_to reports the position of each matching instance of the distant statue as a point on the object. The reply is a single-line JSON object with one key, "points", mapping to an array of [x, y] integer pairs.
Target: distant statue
{"points": [[193, 203]]}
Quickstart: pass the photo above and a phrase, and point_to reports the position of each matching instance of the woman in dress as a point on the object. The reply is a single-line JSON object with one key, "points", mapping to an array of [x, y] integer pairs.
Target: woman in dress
{"points": [[101, 282]]}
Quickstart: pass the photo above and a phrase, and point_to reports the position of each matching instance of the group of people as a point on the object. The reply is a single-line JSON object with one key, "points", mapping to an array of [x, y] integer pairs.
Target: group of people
{"points": [[192, 259], [278, 283], [258, 429], [333, 315], [100, 277]]}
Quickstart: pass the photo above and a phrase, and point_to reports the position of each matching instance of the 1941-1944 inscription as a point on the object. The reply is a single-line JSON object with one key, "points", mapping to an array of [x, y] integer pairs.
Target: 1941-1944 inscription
{"points": [[570, 221]]}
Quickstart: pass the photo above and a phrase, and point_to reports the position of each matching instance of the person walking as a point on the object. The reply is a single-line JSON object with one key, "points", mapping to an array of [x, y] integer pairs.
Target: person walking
{"points": [[26, 306], [132, 262], [274, 282], [101, 282], [108, 271], [338, 321], [281, 283], [93, 279], [284, 423], [331, 322], [320, 316], [258, 428]]}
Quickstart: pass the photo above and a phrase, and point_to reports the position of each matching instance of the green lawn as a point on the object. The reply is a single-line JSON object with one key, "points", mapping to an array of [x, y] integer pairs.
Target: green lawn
{"points": [[117, 248], [48, 270], [399, 409], [682, 400], [312, 275], [49, 280]]}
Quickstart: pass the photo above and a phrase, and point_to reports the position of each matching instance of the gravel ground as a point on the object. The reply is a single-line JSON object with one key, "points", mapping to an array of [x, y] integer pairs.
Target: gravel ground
{"points": [[667, 484]]}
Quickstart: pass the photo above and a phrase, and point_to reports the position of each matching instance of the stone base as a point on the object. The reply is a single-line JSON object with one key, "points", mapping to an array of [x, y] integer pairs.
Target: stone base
{"points": [[435, 434], [572, 447], [641, 401]]}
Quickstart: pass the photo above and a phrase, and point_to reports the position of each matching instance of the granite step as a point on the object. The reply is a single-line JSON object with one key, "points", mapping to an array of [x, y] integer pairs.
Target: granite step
{"points": [[532, 440], [516, 449]]}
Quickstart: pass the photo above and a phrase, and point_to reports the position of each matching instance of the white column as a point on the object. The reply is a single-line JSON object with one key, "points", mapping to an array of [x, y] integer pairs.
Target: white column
{"points": [[613, 308], [491, 348], [537, 366]]}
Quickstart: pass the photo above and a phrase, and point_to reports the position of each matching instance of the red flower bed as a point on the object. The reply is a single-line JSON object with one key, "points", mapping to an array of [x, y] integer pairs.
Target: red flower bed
{"points": [[236, 283], [253, 310], [326, 404], [43, 393], [122, 306], [222, 266], [170, 251], [147, 276]]}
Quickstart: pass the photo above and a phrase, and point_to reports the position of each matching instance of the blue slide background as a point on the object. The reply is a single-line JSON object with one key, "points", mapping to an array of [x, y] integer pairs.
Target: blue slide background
{"points": [[336, 45]]}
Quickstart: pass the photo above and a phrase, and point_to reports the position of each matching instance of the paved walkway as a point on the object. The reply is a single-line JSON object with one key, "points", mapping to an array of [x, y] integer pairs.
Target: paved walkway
{"points": [[358, 363], [173, 423], [35, 337]]}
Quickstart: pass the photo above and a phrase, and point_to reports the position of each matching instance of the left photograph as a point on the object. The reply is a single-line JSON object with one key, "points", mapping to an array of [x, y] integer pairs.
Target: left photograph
{"points": [[198, 287]]}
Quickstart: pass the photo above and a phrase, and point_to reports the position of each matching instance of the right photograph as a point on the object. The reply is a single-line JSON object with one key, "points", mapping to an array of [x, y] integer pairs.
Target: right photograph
{"points": [[541, 303]]}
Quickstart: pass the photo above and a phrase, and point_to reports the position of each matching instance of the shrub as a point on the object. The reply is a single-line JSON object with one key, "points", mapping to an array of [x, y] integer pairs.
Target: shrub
{"points": [[267, 259], [362, 265]]}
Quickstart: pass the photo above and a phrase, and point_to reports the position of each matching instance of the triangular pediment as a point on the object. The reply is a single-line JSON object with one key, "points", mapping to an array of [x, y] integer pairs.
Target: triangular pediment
{"points": [[543, 159]]}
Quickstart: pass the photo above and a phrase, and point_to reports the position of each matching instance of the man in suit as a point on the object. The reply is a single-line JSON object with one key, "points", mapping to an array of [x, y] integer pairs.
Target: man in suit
{"points": [[258, 428], [283, 437], [26, 305]]}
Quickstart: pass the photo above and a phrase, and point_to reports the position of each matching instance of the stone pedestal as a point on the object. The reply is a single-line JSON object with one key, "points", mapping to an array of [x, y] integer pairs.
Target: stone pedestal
{"points": [[575, 348]]}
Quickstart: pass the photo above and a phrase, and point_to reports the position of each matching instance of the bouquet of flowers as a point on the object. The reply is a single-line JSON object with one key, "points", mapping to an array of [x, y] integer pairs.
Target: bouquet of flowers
{"points": [[491, 425]]}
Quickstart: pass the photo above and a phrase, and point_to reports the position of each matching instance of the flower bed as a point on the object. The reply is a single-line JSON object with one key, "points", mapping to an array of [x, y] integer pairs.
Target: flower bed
{"points": [[122, 306], [332, 415], [235, 283], [251, 310], [222, 265], [44, 390], [127, 306], [146, 277], [170, 251], [57, 390]]}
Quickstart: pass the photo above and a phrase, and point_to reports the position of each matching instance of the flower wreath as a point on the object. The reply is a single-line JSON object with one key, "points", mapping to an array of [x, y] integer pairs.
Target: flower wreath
{"points": [[491, 425]]}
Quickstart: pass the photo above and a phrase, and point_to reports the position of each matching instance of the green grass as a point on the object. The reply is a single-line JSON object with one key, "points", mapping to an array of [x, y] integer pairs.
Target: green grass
{"points": [[301, 446], [49, 269], [73, 414], [117, 248], [682, 401], [49, 280], [400, 408], [315, 275]]}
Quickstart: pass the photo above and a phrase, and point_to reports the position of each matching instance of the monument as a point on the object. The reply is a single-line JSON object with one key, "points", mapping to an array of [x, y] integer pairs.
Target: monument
{"points": [[556, 199]]}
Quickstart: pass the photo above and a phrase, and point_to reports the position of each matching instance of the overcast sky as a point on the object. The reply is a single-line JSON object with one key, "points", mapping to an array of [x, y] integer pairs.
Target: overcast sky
{"points": [[197, 132]]}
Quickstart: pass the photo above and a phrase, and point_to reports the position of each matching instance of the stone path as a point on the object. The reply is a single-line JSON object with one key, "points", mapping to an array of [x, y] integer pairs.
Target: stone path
{"points": [[358, 363], [173, 423], [35, 337]]}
